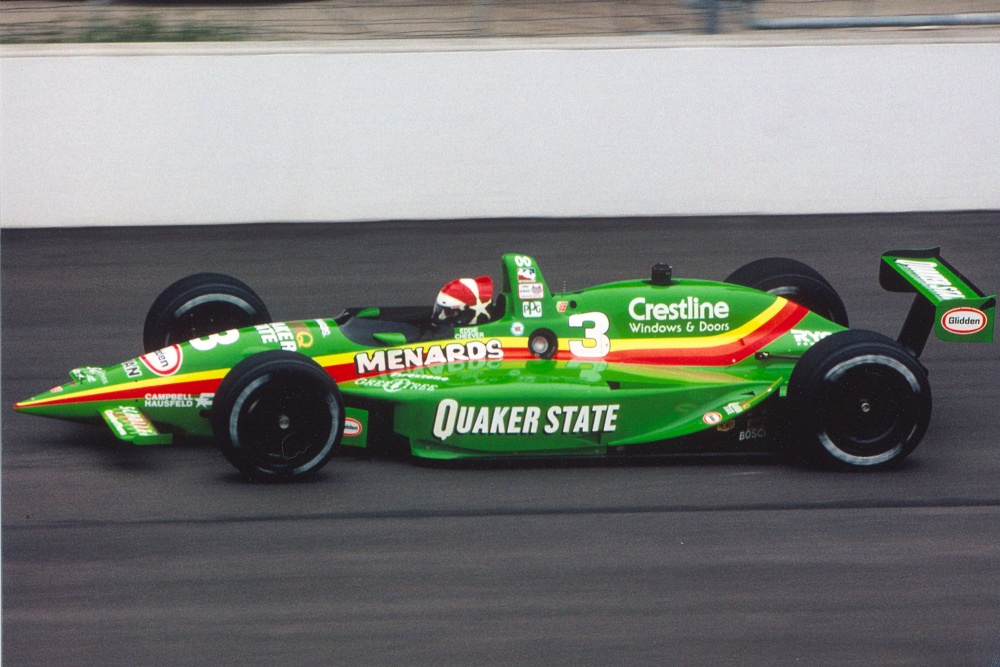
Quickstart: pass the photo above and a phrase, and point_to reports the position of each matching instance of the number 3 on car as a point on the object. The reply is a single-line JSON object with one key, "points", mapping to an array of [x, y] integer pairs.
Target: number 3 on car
{"points": [[596, 343]]}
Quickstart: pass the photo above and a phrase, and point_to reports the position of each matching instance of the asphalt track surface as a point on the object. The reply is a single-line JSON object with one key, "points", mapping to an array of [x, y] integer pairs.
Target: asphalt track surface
{"points": [[117, 555]]}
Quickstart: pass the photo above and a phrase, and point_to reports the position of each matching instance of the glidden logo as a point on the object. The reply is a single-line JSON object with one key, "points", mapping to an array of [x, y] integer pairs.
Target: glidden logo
{"points": [[964, 321], [164, 362], [352, 427]]}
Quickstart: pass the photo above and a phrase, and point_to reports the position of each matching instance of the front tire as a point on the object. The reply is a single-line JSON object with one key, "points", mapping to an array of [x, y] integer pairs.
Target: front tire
{"points": [[795, 281], [200, 305], [277, 415], [859, 400]]}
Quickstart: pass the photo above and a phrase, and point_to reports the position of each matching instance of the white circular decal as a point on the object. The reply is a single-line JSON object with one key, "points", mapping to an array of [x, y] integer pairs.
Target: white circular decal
{"points": [[517, 329], [352, 427], [964, 321], [163, 362], [712, 418]]}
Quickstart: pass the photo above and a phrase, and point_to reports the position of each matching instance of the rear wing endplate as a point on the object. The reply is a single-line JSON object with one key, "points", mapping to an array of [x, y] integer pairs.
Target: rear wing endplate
{"points": [[945, 301]]}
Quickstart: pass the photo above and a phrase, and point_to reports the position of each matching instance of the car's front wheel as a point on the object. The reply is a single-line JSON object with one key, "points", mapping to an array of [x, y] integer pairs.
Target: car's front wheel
{"points": [[277, 415], [200, 305], [858, 400]]}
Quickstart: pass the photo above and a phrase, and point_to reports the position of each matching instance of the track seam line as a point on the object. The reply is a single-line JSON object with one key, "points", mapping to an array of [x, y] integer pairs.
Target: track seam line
{"points": [[945, 503]]}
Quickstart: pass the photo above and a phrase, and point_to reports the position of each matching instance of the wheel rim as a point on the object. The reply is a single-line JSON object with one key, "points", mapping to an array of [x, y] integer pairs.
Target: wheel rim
{"points": [[870, 408], [282, 423], [543, 343], [198, 319]]}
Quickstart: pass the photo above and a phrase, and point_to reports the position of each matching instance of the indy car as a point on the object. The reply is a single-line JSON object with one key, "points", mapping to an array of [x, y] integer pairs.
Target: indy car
{"points": [[761, 362]]}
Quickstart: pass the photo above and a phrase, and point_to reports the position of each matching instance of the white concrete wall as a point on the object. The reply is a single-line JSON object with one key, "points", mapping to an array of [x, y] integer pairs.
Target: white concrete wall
{"points": [[149, 135]]}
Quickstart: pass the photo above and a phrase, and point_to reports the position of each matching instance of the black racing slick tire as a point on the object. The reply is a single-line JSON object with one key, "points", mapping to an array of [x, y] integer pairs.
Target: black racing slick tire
{"points": [[200, 305], [795, 281], [277, 415], [858, 400]]}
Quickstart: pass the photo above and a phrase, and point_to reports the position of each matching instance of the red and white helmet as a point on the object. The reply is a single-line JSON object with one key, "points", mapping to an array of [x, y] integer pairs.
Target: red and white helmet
{"points": [[463, 301]]}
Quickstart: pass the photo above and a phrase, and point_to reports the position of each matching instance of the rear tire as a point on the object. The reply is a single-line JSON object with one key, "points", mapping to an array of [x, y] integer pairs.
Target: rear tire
{"points": [[277, 415], [795, 281], [858, 400], [200, 305]]}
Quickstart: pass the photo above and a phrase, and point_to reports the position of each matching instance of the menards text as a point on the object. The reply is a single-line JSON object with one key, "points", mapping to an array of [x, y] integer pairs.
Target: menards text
{"points": [[452, 417], [380, 361]]}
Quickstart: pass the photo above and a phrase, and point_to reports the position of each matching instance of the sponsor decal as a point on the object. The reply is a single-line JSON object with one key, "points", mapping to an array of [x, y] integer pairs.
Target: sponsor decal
{"points": [[89, 375], [422, 376], [169, 401], [561, 306], [805, 338], [451, 417], [55, 390], [964, 321], [164, 362], [380, 361], [324, 328], [517, 329], [726, 426], [303, 337], [754, 430], [712, 418], [113, 416], [928, 274], [526, 275], [162, 400], [530, 291], [688, 310], [734, 408], [465, 333], [280, 333], [531, 308], [132, 417], [392, 385], [132, 369], [352, 427], [753, 434]]}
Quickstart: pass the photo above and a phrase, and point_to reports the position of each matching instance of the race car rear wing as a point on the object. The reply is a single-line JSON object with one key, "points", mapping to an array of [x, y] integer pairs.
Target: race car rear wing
{"points": [[945, 301]]}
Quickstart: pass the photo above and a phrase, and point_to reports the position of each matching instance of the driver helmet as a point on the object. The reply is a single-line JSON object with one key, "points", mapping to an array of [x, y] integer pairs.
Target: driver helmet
{"points": [[463, 301]]}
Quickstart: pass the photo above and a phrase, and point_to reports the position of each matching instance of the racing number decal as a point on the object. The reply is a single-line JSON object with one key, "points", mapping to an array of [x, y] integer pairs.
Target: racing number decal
{"points": [[595, 344], [522, 262], [209, 342]]}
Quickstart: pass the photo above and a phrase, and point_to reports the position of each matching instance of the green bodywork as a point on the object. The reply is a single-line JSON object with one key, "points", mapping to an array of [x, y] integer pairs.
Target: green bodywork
{"points": [[680, 364]]}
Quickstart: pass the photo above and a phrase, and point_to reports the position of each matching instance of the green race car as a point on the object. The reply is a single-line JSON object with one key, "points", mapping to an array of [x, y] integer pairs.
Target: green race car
{"points": [[760, 363]]}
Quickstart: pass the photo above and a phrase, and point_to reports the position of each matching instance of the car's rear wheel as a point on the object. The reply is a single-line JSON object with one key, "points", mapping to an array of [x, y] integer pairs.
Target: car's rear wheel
{"points": [[277, 415], [795, 281], [858, 399], [200, 305]]}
